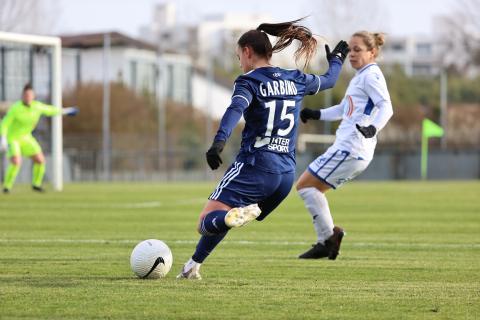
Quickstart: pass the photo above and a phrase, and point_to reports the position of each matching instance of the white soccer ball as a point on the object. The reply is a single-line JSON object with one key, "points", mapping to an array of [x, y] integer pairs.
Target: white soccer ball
{"points": [[151, 259]]}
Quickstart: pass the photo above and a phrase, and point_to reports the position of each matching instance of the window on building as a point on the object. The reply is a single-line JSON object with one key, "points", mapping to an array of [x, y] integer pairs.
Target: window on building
{"points": [[421, 69], [424, 49], [133, 74], [397, 46]]}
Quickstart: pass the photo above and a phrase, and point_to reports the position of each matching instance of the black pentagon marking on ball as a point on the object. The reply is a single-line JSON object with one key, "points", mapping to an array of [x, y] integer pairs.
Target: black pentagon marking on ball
{"points": [[157, 262]]}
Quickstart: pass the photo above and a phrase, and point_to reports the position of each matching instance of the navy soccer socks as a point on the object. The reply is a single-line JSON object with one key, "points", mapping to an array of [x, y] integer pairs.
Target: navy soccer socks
{"points": [[213, 230], [214, 223], [205, 246]]}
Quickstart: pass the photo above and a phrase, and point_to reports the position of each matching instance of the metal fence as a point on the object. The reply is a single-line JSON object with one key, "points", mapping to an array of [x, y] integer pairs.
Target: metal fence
{"points": [[146, 166], [401, 165]]}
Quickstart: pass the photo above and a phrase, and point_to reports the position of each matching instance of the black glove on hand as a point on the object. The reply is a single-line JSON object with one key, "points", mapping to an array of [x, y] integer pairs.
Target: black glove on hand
{"points": [[341, 50], [307, 113], [367, 132], [213, 154]]}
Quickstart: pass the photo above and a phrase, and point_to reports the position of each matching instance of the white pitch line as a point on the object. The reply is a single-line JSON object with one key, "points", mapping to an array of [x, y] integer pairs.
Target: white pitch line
{"points": [[151, 204], [133, 205], [248, 242]]}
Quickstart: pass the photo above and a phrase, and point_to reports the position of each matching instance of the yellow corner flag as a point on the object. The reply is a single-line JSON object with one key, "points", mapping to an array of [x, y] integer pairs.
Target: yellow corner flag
{"points": [[429, 129]]}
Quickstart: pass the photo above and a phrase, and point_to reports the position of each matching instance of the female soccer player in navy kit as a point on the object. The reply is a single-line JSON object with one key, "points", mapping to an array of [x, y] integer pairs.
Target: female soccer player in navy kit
{"points": [[269, 98], [364, 111]]}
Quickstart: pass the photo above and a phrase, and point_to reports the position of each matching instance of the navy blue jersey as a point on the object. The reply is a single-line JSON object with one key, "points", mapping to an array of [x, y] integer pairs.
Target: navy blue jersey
{"points": [[270, 100]]}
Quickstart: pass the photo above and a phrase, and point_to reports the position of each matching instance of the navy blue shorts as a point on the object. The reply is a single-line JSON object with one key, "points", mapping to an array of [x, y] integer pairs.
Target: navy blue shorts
{"points": [[243, 185]]}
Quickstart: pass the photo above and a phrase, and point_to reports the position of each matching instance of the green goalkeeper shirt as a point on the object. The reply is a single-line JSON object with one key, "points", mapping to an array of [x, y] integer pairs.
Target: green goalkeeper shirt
{"points": [[21, 120]]}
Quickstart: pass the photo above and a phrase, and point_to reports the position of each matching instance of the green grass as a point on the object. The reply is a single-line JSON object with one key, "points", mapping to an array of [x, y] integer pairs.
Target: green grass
{"points": [[412, 251]]}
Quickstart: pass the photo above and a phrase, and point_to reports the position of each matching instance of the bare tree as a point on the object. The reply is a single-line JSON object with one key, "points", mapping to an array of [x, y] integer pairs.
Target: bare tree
{"points": [[340, 19], [28, 16], [460, 33]]}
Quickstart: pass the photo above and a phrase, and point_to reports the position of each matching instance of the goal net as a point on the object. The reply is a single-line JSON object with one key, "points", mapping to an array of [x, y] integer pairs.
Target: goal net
{"points": [[36, 60]]}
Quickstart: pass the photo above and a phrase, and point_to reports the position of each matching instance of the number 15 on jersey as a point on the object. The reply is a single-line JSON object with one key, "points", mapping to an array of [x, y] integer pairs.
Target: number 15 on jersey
{"points": [[279, 143]]}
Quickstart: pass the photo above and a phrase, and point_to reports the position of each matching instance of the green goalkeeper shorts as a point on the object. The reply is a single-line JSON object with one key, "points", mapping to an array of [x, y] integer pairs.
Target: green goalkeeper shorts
{"points": [[23, 146]]}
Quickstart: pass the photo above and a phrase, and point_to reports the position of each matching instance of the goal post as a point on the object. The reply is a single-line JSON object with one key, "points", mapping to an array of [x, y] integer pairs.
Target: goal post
{"points": [[54, 43], [305, 138]]}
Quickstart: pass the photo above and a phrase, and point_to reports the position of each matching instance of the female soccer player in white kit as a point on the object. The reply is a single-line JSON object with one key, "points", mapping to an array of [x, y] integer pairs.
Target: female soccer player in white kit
{"points": [[364, 111]]}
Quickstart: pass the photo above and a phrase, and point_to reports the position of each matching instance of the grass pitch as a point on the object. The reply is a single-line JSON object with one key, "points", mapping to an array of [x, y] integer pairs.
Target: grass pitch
{"points": [[412, 251]]}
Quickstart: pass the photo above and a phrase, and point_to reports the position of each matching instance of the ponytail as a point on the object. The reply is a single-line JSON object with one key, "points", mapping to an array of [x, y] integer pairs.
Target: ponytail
{"points": [[286, 33]]}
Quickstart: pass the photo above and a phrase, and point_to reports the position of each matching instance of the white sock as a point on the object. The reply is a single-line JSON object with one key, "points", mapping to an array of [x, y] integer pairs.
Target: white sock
{"points": [[317, 205], [191, 264]]}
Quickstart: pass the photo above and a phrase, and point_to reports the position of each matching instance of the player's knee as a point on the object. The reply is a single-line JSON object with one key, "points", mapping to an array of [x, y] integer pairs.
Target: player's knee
{"points": [[201, 229], [200, 226], [200, 223], [302, 182], [16, 161], [39, 159]]}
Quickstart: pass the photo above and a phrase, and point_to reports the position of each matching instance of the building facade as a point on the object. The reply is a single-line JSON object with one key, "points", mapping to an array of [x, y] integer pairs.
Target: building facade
{"points": [[417, 56], [135, 63]]}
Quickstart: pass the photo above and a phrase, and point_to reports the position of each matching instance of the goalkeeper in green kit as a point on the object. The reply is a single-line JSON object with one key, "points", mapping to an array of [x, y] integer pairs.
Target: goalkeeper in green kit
{"points": [[17, 139]]}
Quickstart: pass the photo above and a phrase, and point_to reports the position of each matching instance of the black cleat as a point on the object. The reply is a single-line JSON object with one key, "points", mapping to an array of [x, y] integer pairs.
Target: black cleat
{"points": [[38, 189], [317, 251], [6, 191], [333, 243]]}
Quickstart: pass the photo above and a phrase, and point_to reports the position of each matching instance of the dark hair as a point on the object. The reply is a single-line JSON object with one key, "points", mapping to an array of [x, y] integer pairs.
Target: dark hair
{"points": [[286, 32], [28, 86]]}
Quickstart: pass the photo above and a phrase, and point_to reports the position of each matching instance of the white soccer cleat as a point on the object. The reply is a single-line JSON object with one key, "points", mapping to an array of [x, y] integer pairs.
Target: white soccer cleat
{"points": [[238, 217], [190, 271]]}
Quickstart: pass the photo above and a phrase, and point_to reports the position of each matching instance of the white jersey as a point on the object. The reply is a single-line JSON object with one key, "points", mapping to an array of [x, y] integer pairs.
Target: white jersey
{"points": [[366, 91]]}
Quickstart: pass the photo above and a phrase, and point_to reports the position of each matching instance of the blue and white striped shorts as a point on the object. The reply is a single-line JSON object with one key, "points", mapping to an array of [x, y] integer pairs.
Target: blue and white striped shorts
{"points": [[337, 167]]}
